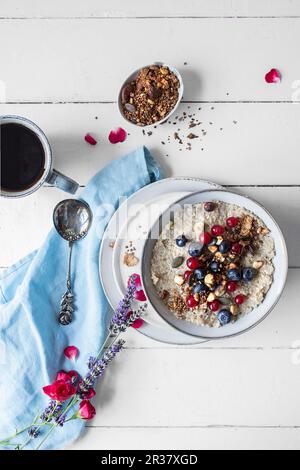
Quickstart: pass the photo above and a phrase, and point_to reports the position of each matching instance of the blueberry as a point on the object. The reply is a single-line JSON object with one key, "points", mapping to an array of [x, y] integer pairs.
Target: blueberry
{"points": [[195, 249], [248, 274], [212, 242], [224, 316], [233, 275], [199, 287], [181, 241], [214, 266], [224, 247], [199, 274]]}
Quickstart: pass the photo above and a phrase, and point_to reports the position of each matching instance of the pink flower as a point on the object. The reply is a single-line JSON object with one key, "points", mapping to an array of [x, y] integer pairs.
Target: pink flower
{"points": [[138, 323], [71, 352], [117, 135], [86, 410], [140, 296], [59, 390], [90, 139], [273, 76]]}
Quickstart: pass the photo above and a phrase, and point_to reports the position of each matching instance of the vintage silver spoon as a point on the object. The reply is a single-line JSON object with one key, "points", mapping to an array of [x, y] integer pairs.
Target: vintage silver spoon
{"points": [[72, 219]]}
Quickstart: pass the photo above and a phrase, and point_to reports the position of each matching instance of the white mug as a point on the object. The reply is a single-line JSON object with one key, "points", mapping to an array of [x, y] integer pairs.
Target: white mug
{"points": [[49, 175]]}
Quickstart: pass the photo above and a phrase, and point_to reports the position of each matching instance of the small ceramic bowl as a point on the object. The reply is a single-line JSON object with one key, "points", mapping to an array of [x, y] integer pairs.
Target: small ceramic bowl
{"points": [[133, 77], [245, 322]]}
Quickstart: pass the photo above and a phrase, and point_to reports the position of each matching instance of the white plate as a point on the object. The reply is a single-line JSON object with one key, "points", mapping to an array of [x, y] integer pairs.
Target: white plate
{"points": [[280, 262], [134, 217]]}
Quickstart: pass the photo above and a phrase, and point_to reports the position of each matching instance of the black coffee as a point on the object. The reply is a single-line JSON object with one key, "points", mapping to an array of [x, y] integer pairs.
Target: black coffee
{"points": [[22, 158]]}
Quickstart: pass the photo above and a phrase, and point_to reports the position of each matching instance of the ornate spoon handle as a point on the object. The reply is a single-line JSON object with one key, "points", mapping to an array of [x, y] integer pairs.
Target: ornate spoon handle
{"points": [[66, 305]]}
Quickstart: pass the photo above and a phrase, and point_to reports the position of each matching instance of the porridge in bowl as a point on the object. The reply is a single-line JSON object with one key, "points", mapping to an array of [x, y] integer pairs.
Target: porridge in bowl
{"points": [[213, 264]]}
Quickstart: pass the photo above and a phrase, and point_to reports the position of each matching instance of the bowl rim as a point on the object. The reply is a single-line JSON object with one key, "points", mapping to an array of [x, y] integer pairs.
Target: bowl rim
{"points": [[285, 265], [133, 75]]}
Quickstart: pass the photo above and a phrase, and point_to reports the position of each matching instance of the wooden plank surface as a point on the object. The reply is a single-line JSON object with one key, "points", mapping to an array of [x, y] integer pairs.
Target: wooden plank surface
{"points": [[157, 8], [246, 144], [280, 201], [239, 393], [206, 438], [74, 60], [231, 387]]}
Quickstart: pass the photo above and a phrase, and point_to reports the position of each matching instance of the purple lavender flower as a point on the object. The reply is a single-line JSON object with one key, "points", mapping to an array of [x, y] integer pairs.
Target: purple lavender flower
{"points": [[97, 366], [60, 420], [121, 313], [33, 432], [51, 411]]}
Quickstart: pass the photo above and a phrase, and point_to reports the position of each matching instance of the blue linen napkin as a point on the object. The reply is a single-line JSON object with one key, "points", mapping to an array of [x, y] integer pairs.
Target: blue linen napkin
{"points": [[31, 340]]}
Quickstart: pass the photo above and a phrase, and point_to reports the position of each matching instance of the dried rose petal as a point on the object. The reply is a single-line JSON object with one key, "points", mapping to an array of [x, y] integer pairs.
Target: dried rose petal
{"points": [[138, 323], [71, 352], [86, 410], [136, 280], [140, 296], [73, 374], [62, 375], [273, 76], [90, 139], [117, 135], [89, 394]]}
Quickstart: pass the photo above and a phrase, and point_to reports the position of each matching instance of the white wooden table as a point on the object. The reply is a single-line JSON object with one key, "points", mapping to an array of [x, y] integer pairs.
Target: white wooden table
{"points": [[62, 63]]}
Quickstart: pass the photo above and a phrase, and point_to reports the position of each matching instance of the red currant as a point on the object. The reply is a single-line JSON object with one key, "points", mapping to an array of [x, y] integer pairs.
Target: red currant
{"points": [[193, 263], [236, 248], [231, 286], [217, 230], [240, 299], [187, 275], [214, 305], [232, 222], [205, 238], [192, 302]]}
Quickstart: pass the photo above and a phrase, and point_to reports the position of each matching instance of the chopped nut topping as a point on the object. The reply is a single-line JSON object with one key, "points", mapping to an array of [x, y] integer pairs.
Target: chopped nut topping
{"points": [[130, 259], [246, 225], [257, 264], [211, 297], [179, 280], [234, 309]]}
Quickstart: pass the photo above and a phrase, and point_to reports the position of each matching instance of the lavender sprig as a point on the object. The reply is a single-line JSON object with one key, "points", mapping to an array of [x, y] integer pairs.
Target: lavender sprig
{"points": [[53, 410], [121, 313], [60, 420], [56, 413], [97, 367], [33, 432]]}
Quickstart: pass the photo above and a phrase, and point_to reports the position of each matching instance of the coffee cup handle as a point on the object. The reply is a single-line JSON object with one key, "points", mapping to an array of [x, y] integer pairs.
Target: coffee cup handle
{"points": [[62, 182]]}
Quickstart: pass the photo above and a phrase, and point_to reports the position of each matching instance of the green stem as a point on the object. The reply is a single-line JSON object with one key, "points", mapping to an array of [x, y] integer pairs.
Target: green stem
{"points": [[38, 427], [5, 441], [46, 437], [103, 346], [71, 403]]}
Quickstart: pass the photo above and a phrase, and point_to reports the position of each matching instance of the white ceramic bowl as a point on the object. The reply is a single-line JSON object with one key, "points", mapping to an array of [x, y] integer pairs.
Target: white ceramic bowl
{"points": [[247, 321], [133, 77]]}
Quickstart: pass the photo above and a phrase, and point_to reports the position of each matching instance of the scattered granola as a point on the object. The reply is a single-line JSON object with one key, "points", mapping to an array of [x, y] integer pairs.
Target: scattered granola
{"points": [[130, 259]]}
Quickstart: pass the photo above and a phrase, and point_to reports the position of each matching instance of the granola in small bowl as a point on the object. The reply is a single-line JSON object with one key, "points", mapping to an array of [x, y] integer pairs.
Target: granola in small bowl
{"points": [[213, 263], [150, 95]]}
